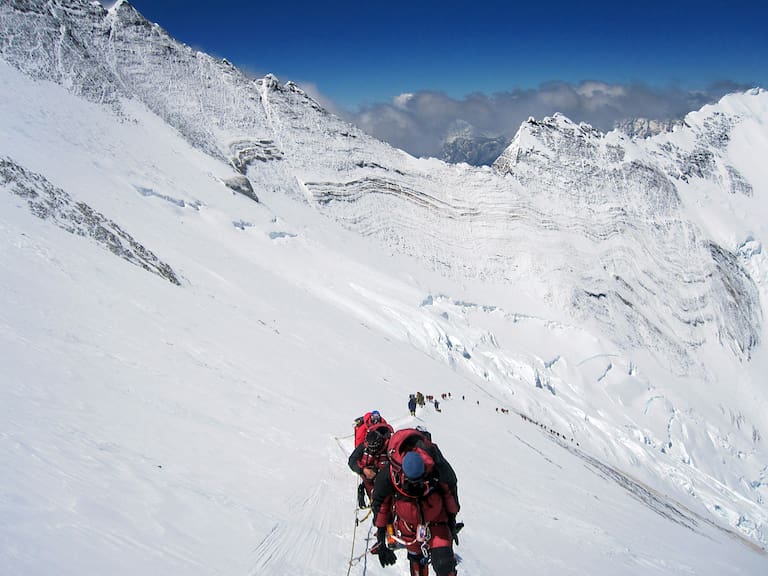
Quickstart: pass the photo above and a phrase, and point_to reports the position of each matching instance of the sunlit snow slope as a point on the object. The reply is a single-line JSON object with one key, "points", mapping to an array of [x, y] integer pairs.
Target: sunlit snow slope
{"points": [[181, 364]]}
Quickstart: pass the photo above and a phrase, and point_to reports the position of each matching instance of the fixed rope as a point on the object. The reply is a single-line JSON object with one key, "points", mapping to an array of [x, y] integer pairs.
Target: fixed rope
{"points": [[354, 560]]}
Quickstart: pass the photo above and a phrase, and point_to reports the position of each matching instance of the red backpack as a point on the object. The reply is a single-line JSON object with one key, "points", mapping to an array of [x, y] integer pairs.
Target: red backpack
{"points": [[406, 440], [436, 467], [364, 424]]}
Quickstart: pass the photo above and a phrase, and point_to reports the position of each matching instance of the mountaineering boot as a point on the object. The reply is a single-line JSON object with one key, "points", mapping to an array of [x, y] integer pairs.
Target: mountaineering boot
{"points": [[443, 561], [419, 565]]}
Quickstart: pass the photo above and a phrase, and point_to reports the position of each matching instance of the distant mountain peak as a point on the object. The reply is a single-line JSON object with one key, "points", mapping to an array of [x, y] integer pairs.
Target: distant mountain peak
{"points": [[464, 143]]}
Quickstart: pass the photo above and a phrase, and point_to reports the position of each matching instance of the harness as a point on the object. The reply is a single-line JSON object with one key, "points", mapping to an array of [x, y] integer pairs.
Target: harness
{"points": [[422, 531]]}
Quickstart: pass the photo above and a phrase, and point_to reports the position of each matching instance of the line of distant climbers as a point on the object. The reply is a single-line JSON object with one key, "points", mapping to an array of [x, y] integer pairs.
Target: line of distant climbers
{"points": [[419, 399]]}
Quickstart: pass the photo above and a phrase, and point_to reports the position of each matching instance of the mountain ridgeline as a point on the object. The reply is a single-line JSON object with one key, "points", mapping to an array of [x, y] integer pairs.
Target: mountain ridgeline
{"points": [[653, 243]]}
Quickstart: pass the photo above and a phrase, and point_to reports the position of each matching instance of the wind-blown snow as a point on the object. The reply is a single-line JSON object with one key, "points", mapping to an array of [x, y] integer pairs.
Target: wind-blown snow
{"points": [[608, 290]]}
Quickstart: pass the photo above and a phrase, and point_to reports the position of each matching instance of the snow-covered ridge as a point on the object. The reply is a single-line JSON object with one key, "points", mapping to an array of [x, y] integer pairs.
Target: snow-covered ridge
{"points": [[649, 252], [624, 199]]}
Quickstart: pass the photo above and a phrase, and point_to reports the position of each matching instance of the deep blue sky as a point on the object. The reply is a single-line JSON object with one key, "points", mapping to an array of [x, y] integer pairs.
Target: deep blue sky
{"points": [[369, 51]]}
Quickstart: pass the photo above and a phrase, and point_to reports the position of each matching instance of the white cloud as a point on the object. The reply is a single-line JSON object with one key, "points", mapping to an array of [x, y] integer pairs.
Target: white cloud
{"points": [[419, 121], [591, 89], [402, 100]]}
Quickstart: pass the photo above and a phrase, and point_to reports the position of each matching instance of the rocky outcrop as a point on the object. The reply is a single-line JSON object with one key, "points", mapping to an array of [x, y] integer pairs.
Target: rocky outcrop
{"points": [[53, 204], [242, 185]]}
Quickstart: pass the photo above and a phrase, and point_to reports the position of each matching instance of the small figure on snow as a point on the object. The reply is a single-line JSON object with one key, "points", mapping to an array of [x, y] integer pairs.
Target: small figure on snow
{"points": [[412, 404]]}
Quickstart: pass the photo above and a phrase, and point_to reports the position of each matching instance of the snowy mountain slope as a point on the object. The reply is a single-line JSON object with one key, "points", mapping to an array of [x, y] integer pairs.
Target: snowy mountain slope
{"points": [[632, 324], [598, 229], [204, 428], [634, 216]]}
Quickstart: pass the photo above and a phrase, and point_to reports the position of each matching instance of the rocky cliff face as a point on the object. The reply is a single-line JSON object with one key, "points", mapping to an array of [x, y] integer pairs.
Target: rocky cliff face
{"points": [[645, 127], [60, 42]]}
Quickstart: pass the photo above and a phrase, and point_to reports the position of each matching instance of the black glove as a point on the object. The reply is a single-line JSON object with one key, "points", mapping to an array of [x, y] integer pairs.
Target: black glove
{"points": [[361, 496], [454, 528], [387, 557], [381, 541]]}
